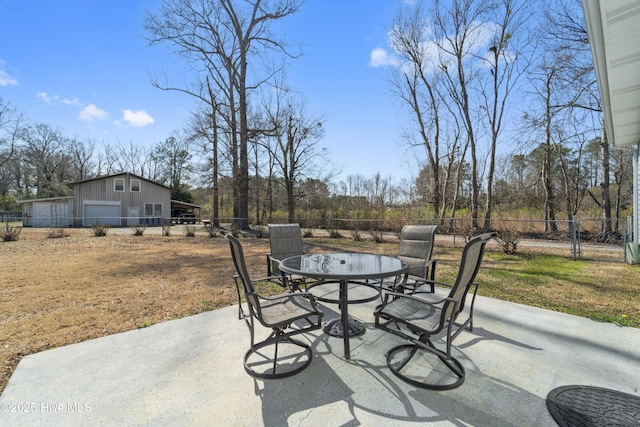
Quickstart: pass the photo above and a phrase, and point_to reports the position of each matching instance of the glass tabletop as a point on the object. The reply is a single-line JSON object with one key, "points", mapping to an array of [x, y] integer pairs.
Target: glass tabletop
{"points": [[344, 265]]}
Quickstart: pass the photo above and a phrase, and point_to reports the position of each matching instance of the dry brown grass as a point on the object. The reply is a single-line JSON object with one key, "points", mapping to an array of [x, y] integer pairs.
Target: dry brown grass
{"points": [[60, 291]]}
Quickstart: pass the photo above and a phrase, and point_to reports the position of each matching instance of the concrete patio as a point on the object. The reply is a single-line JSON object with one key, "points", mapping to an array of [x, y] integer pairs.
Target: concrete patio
{"points": [[189, 372]]}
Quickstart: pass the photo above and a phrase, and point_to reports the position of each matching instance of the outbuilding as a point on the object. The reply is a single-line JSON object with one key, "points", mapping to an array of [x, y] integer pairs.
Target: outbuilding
{"points": [[118, 200], [48, 212]]}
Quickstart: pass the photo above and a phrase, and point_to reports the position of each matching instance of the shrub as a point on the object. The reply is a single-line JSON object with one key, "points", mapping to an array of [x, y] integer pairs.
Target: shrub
{"points": [[9, 233], [355, 233], [261, 231], [378, 235], [57, 233], [99, 230], [308, 233], [138, 230], [190, 230], [508, 239], [213, 231]]}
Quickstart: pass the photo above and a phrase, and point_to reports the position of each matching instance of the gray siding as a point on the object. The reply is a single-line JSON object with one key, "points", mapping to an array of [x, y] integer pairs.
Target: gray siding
{"points": [[97, 190], [49, 212]]}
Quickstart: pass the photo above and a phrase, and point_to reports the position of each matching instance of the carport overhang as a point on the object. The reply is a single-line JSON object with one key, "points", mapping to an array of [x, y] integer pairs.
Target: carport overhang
{"points": [[613, 28], [184, 206]]}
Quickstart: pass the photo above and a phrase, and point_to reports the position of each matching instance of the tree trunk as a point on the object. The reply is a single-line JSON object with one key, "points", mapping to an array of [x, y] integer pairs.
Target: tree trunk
{"points": [[216, 189], [606, 198]]}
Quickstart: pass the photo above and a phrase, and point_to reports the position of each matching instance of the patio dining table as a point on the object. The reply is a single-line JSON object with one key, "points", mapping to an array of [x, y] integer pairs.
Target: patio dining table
{"points": [[347, 269]]}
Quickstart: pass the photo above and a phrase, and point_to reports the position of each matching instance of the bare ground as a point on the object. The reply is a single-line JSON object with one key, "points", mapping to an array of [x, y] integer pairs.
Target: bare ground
{"points": [[55, 292]]}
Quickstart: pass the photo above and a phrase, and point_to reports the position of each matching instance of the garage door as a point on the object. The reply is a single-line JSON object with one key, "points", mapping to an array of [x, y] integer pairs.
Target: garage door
{"points": [[103, 214], [50, 214]]}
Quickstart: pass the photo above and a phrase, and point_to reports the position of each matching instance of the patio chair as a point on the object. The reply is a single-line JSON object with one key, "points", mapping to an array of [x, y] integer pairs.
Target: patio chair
{"points": [[417, 320], [415, 249], [286, 315], [285, 240]]}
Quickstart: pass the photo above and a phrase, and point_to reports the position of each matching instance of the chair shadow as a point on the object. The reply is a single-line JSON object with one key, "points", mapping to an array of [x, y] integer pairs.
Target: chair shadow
{"points": [[482, 334], [345, 390]]}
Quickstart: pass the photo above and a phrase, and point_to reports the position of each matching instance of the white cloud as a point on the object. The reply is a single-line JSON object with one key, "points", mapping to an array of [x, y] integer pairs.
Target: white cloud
{"points": [[46, 98], [138, 118], [6, 79], [74, 101], [380, 58], [91, 112]]}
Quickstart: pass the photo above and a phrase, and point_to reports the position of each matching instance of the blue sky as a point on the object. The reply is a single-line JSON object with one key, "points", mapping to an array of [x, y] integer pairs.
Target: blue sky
{"points": [[84, 66]]}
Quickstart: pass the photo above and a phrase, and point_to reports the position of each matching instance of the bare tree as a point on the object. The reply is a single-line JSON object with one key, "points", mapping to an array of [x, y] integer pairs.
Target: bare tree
{"points": [[204, 126], [567, 36], [132, 158], [43, 151], [415, 82], [507, 60], [11, 126], [81, 154], [458, 27], [293, 143], [542, 125], [218, 38]]}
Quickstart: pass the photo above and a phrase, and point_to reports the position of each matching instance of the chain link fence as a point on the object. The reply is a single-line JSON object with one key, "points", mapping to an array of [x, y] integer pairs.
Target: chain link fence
{"points": [[590, 238], [10, 216]]}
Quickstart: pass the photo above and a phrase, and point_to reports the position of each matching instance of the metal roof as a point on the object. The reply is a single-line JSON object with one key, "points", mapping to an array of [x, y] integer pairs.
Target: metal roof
{"points": [[120, 174], [613, 28], [46, 199]]}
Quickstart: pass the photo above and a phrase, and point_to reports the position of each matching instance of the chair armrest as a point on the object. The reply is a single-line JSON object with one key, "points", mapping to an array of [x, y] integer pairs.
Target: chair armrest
{"points": [[285, 296], [307, 295], [269, 271], [266, 279], [397, 295], [432, 268], [427, 271], [429, 282]]}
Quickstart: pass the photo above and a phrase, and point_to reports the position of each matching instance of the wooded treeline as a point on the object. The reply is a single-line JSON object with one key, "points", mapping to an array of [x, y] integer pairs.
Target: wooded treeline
{"points": [[502, 112]]}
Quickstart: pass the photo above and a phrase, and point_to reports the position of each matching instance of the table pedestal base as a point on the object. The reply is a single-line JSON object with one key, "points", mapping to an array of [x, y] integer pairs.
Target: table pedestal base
{"points": [[335, 329]]}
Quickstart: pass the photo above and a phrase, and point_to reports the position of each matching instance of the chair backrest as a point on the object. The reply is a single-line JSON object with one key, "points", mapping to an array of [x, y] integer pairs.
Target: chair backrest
{"points": [[469, 265], [285, 240], [241, 268], [416, 247]]}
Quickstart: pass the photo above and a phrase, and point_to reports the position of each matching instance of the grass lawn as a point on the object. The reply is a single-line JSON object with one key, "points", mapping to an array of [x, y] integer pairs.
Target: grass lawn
{"points": [[58, 291]]}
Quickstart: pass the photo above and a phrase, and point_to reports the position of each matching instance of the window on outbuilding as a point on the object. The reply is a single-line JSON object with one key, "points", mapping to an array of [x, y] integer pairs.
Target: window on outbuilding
{"points": [[153, 209], [118, 184], [135, 185]]}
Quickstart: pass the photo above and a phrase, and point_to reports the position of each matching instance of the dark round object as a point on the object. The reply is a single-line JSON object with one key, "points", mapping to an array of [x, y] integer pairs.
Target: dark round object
{"points": [[577, 405]]}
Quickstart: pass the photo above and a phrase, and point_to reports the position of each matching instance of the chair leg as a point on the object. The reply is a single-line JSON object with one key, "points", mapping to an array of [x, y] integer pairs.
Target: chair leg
{"points": [[273, 373], [450, 362]]}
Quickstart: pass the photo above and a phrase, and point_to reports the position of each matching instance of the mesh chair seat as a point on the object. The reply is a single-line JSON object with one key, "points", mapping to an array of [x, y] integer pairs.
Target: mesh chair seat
{"points": [[413, 312], [285, 309]]}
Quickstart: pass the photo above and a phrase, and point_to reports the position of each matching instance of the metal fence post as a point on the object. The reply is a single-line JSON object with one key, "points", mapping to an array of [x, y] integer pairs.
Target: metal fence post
{"points": [[574, 242], [454, 232]]}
